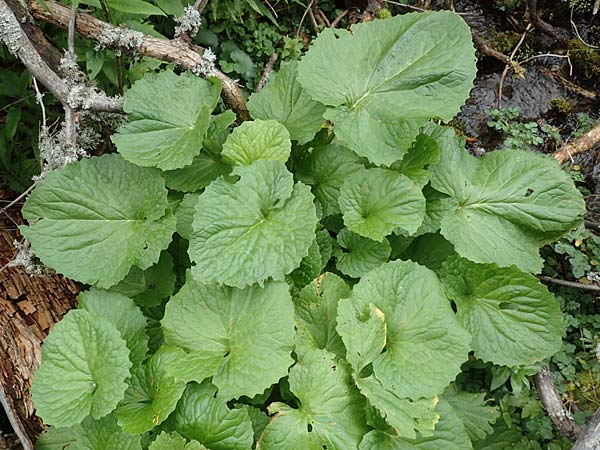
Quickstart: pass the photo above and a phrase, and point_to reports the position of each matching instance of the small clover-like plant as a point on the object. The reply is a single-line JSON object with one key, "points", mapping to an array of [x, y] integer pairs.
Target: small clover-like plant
{"points": [[313, 279]]}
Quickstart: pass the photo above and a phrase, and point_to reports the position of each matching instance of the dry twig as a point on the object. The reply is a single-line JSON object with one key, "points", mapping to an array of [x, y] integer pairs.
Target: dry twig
{"points": [[508, 66], [268, 69], [339, 18], [571, 284], [579, 145]]}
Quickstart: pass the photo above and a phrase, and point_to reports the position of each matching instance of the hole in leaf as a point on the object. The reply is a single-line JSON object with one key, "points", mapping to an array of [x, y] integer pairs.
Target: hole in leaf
{"points": [[309, 427], [529, 192], [324, 447], [366, 371], [507, 305]]}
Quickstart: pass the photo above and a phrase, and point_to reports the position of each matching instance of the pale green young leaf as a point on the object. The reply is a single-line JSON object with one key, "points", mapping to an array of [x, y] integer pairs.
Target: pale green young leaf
{"points": [[256, 140], [408, 68], [284, 100], [259, 227], [135, 7], [513, 318], [174, 441], [183, 366], [474, 412], [315, 313], [376, 201], [249, 331], [359, 255], [123, 314], [85, 363], [331, 412], [424, 343], [151, 396], [94, 219], [507, 203], [168, 116], [148, 287], [449, 434], [203, 415], [326, 169], [55, 438]]}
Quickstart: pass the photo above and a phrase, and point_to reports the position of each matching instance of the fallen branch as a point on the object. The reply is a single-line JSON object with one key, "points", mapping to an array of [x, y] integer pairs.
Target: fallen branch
{"points": [[268, 69], [543, 26], [579, 145], [484, 48], [571, 284], [175, 50], [589, 439], [560, 416]]}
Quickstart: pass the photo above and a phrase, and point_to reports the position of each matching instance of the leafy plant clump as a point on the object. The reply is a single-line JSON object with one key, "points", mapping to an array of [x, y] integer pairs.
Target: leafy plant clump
{"points": [[294, 285]]}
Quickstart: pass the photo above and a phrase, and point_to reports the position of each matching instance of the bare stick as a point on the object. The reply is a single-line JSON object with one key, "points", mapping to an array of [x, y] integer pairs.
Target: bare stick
{"points": [[324, 18], [560, 416], [339, 18], [170, 50], [200, 5], [576, 31], [550, 55], [303, 17], [414, 8], [70, 129], [571, 284], [18, 199], [590, 436], [484, 48], [268, 69], [579, 145], [313, 21], [507, 66]]}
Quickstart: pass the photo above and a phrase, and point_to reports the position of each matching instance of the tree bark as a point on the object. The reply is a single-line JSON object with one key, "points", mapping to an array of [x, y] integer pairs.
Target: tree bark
{"points": [[590, 437], [29, 307]]}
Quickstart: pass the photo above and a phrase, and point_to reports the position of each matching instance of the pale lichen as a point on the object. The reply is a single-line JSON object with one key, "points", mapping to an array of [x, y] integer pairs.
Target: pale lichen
{"points": [[206, 66], [25, 258], [10, 31], [189, 23], [119, 38]]}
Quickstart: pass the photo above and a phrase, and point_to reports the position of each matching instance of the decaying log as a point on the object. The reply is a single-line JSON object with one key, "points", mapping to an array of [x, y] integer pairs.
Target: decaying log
{"points": [[29, 307]]}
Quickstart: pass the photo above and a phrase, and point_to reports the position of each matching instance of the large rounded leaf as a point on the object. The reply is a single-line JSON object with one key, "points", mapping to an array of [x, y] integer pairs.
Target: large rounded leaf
{"points": [[421, 344], [84, 366], [259, 227], [250, 332], [94, 219], [258, 139], [168, 116], [513, 318]]}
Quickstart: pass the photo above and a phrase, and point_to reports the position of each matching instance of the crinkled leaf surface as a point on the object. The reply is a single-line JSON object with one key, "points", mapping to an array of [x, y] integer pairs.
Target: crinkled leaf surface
{"points": [[168, 116], [508, 204], [449, 434], [183, 366], [174, 441], [331, 413], [429, 250], [122, 313], [284, 100], [255, 140], [260, 227], [185, 214], [94, 219], [326, 169], [315, 312], [203, 416], [376, 201], [102, 434], [249, 331], [152, 395], [424, 343], [408, 68], [476, 415], [84, 366], [414, 165], [513, 318], [359, 255], [310, 267], [148, 287]]}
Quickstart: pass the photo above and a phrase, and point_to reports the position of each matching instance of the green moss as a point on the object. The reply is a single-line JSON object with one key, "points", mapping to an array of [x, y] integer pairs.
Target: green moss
{"points": [[509, 5], [561, 105], [585, 60], [505, 42]]}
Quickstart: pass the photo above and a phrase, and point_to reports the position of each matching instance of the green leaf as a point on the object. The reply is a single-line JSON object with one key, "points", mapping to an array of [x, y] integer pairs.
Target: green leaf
{"points": [[152, 395], [185, 214], [389, 76], [474, 412], [326, 169], [94, 219], [414, 165], [168, 116], [310, 267], [284, 100], [148, 287], [256, 140], [505, 438], [208, 165], [376, 201], [174, 441], [122, 313], [423, 341], [437, 205], [171, 7], [512, 317], [508, 204], [11, 122], [259, 419], [260, 227], [202, 415], [103, 434], [84, 366], [330, 415], [359, 255], [135, 7], [449, 434], [429, 250], [249, 331], [315, 313]]}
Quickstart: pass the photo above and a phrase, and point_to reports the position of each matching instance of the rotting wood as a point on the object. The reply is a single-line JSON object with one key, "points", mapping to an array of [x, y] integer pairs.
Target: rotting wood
{"points": [[560, 416], [29, 308], [175, 51]]}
